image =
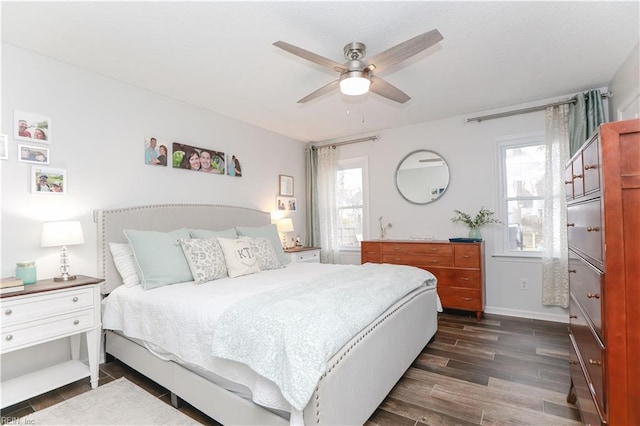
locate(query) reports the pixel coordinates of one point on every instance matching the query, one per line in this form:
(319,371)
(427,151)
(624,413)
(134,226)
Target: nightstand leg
(74,342)
(93,350)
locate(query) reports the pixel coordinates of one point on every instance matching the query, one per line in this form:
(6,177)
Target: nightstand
(46,311)
(303,254)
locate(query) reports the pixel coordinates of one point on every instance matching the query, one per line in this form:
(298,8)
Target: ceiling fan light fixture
(354,83)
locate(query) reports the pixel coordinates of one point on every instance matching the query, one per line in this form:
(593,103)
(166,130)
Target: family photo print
(31,127)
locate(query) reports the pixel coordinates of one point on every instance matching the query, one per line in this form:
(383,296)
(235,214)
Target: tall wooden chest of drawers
(603,223)
(459,267)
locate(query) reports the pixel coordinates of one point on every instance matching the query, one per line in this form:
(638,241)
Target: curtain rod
(365,139)
(525,110)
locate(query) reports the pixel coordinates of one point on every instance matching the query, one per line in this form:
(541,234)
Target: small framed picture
(292,205)
(4,148)
(233,166)
(285,185)
(31,127)
(155,153)
(282,203)
(33,154)
(48,180)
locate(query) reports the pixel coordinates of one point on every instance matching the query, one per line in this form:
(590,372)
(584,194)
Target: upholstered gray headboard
(163,217)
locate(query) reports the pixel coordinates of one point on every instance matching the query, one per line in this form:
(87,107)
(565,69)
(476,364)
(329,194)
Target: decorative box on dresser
(46,311)
(603,223)
(459,267)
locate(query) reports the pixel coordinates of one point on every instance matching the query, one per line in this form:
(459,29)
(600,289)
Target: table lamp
(64,233)
(284,226)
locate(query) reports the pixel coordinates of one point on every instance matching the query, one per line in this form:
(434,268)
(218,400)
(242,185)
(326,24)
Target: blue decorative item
(26,271)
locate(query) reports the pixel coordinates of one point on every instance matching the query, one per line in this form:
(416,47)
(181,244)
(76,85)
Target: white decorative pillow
(125,263)
(267,257)
(239,256)
(205,259)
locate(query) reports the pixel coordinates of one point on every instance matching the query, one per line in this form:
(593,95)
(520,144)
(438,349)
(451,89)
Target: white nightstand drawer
(46,329)
(305,256)
(43,305)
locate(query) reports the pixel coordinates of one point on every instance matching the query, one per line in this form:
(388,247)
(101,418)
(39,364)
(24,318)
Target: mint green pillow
(270,232)
(159,257)
(205,233)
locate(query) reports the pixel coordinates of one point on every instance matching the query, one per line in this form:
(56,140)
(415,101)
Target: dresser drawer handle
(9,337)
(572,271)
(434,261)
(573,362)
(594,362)
(75,299)
(573,317)
(372,252)
(567,182)
(8,312)
(467,299)
(593,295)
(76,322)
(570,224)
(577,176)
(466,256)
(465,278)
(591,167)
(593,229)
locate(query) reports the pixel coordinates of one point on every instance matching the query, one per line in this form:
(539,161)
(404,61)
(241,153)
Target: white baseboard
(564,318)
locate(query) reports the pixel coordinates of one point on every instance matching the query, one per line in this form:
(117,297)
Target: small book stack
(11,285)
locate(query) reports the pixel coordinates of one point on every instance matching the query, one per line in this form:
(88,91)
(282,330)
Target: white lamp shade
(354,86)
(64,233)
(285,225)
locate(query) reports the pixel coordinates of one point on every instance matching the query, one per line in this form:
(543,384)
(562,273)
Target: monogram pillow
(239,256)
(267,257)
(205,258)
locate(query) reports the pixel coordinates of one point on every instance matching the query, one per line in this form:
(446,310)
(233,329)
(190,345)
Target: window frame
(361,162)
(503,144)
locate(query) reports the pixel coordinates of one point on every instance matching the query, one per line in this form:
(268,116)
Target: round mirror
(422,176)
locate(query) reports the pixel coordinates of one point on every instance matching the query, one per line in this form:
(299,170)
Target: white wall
(625,86)
(99,127)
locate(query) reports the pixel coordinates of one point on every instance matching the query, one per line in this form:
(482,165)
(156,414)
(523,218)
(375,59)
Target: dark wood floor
(499,371)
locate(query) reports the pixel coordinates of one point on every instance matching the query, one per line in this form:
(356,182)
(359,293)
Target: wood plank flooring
(499,371)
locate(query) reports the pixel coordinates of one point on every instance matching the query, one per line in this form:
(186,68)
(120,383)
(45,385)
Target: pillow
(205,233)
(205,259)
(159,257)
(271,233)
(263,249)
(125,263)
(239,256)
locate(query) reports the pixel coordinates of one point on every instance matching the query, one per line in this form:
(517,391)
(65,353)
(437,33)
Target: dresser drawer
(591,167)
(43,305)
(460,278)
(588,408)
(43,330)
(310,256)
(592,353)
(457,298)
(433,249)
(370,252)
(584,226)
(577,178)
(466,256)
(586,286)
(420,260)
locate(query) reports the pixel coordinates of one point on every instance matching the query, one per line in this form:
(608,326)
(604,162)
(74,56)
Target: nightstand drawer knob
(8,312)
(9,337)
(75,299)
(76,322)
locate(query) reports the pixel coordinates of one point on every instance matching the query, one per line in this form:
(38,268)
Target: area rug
(117,403)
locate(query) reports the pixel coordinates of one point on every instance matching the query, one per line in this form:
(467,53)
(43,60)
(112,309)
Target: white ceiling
(219,55)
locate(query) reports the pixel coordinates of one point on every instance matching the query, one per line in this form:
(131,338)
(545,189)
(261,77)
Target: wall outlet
(523,284)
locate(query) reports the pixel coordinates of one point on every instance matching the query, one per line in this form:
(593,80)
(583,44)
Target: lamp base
(65,278)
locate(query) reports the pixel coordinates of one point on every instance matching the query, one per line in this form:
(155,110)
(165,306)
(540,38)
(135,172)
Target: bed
(355,379)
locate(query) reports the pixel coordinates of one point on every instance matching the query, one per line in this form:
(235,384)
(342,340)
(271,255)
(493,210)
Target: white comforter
(180,319)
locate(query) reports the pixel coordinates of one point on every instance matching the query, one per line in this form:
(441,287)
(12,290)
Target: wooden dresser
(603,222)
(459,267)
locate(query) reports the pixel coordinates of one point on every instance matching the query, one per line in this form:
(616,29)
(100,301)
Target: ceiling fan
(356,75)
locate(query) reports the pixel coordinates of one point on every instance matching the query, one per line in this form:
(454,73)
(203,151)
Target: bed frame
(356,379)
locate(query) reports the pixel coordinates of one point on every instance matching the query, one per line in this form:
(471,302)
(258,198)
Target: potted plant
(484,217)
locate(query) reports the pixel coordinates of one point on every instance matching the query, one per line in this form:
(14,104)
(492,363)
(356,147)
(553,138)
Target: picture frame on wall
(4,148)
(33,154)
(197,159)
(233,166)
(156,152)
(31,127)
(48,180)
(285,186)
(292,205)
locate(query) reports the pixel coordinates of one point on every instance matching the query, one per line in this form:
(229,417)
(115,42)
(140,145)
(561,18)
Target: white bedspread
(180,319)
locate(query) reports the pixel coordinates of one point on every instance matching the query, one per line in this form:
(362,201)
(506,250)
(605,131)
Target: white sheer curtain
(327,209)
(555,263)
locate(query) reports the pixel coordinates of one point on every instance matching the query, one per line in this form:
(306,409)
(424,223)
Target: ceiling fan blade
(404,50)
(321,91)
(320,60)
(389,91)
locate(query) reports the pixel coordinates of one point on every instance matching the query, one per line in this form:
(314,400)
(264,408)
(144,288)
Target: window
(351,188)
(522,163)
